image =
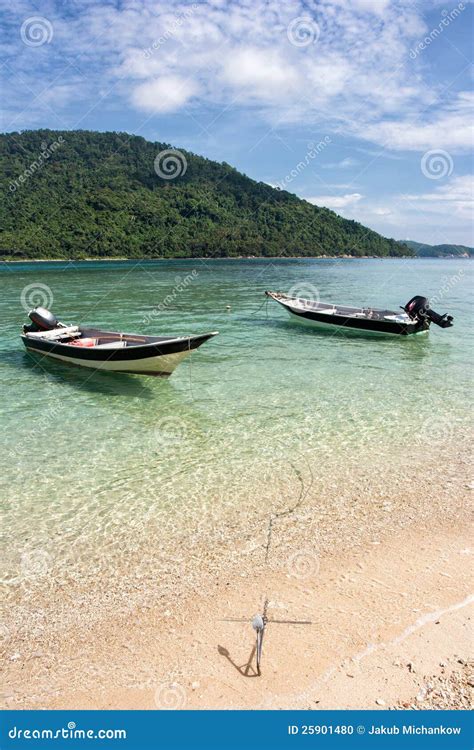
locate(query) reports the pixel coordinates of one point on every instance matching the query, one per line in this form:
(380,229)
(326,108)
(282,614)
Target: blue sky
(364,106)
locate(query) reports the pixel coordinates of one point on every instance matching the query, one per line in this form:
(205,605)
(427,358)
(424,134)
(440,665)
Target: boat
(107,350)
(416,316)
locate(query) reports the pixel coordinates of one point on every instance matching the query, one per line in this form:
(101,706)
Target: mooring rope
(260,621)
(190,370)
(265,302)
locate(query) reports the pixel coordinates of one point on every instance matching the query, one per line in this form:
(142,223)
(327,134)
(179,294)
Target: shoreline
(236,258)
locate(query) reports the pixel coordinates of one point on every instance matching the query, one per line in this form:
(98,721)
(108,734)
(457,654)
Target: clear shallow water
(98,465)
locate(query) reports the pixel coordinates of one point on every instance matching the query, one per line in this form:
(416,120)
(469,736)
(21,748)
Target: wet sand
(383,575)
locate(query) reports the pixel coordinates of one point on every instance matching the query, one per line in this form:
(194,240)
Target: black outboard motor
(41,320)
(419,308)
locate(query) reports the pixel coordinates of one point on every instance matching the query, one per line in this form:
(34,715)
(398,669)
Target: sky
(363,106)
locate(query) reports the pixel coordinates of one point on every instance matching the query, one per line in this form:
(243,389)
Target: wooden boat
(416,317)
(107,350)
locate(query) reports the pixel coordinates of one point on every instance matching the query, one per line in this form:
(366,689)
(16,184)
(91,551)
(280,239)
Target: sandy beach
(387,590)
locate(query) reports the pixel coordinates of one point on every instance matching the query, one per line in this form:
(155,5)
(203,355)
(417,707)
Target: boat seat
(56,334)
(112,345)
(399,317)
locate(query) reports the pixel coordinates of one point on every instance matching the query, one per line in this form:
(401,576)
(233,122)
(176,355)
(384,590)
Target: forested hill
(81,194)
(440,251)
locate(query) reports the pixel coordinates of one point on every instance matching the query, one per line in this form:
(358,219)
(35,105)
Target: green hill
(439,251)
(81,194)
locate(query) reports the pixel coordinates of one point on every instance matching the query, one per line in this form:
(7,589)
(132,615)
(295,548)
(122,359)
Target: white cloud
(382,211)
(450,126)
(378,153)
(455,197)
(335,201)
(346,163)
(259,74)
(374,6)
(166,94)
(58,96)
(327,75)
(340,185)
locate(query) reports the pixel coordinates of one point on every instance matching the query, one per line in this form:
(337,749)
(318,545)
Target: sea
(106,472)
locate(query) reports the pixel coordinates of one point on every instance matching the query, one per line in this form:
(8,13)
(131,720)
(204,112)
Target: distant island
(439,251)
(81,194)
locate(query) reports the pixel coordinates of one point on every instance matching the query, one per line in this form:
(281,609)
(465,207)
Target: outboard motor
(419,308)
(41,320)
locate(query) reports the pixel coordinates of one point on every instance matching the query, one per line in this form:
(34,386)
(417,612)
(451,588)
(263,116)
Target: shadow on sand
(246,670)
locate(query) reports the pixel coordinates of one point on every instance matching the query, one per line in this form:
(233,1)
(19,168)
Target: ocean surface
(98,466)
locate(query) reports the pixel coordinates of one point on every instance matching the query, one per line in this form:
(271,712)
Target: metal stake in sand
(258,624)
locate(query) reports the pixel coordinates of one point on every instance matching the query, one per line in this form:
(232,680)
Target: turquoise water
(97,465)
